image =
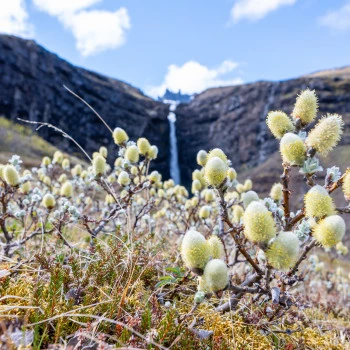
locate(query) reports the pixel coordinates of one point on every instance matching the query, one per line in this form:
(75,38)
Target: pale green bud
(132,154)
(276,192)
(217,250)
(283,252)
(196,186)
(11,175)
(46,161)
(49,201)
(67,189)
(103,151)
(202,157)
(306,106)
(249,197)
(318,203)
(215,171)
(204,212)
(58,157)
(231,174)
(99,165)
(120,136)
(279,123)
(66,164)
(293,149)
(153,152)
(216,275)
(326,134)
(143,145)
(123,179)
(259,225)
(329,231)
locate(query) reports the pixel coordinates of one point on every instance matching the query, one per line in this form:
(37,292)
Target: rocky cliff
(31,87)
(234,118)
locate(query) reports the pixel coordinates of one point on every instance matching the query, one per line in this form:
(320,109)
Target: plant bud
(195,201)
(329,231)
(46,161)
(259,225)
(67,189)
(283,252)
(292,149)
(209,196)
(47,181)
(238,212)
(326,134)
(62,178)
(341,248)
(103,151)
(346,185)
(197,175)
(11,175)
(143,145)
(204,212)
(195,250)
(65,164)
(249,197)
(26,187)
(215,171)
(58,157)
(306,107)
(196,186)
(153,152)
(202,157)
(99,165)
(118,162)
(123,179)
(76,171)
(318,203)
(2,168)
(279,123)
(120,136)
(155,176)
(276,192)
(132,154)
(109,199)
(217,153)
(240,188)
(248,185)
(216,247)
(231,174)
(216,275)
(49,201)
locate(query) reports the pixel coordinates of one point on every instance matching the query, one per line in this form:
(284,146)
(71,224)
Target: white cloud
(96,31)
(192,77)
(93,30)
(14,18)
(62,7)
(338,19)
(256,9)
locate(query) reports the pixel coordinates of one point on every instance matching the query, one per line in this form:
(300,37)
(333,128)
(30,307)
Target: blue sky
(188,44)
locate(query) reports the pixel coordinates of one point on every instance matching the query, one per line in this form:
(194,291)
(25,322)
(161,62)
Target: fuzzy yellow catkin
(123,179)
(197,175)
(66,189)
(293,149)
(276,192)
(103,151)
(259,225)
(11,175)
(238,212)
(306,106)
(62,178)
(132,154)
(326,134)
(155,176)
(216,247)
(341,248)
(240,188)
(109,199)
(2,167)
(209,196)
(120,136)
(26,187)
(329,231)
(204,212)
(217,152)
(318,203)
(153,152)
(49,201)
(58,157)
(346,185)
(231,174)
(215,171)
(99,165)
(248,185)
(202,157)
(196,186)
(143,145)
(249,197)
(46,161)
(65,164)
(279,123)
(47,181)
(76,171)
(283,252)
(216,275)
(195,250)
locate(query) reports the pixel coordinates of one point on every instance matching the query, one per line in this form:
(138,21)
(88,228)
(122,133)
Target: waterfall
(174,161)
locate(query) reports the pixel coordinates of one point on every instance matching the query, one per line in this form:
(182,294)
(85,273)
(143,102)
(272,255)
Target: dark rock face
(234,118)
(31,87)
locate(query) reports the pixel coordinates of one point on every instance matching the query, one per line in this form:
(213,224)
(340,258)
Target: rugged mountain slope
(31,87)
(233,118)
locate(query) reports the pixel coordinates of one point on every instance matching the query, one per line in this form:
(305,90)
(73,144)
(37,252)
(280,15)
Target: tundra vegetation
(107,256)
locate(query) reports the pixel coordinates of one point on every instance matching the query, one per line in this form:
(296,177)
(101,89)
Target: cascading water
(174,161)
